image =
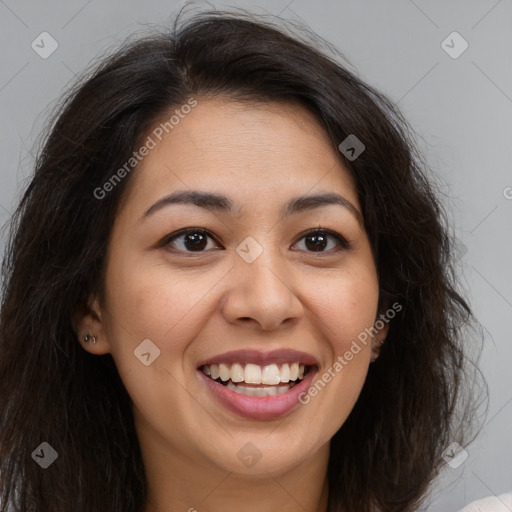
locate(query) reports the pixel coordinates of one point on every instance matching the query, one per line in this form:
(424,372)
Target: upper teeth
(270,374)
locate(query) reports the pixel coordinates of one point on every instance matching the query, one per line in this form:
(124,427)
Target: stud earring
(88,338)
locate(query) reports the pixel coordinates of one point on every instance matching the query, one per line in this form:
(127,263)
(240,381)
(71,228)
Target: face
(257,284)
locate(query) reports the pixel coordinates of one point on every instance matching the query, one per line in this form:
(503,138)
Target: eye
(317,239)
(189,240)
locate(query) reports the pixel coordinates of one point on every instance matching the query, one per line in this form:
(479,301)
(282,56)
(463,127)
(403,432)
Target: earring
(88,338)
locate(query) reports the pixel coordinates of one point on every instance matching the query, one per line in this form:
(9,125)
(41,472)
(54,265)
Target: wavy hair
(418,396)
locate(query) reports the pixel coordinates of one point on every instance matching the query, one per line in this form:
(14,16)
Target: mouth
(258,385)
(257,380)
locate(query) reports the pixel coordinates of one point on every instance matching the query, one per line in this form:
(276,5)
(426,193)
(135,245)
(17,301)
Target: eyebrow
(220,203)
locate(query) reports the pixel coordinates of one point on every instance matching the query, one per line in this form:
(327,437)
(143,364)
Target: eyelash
(342,242)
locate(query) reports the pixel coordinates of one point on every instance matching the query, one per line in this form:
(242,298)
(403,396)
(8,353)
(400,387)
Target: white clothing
(501,503)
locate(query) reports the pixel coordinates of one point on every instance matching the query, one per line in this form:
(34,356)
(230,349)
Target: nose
(261,293)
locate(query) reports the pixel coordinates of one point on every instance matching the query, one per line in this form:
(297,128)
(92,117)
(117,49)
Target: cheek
(344,308)
(345,305)
(168,309)
(151,302)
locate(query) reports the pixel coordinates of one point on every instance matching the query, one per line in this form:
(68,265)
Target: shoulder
(501,503)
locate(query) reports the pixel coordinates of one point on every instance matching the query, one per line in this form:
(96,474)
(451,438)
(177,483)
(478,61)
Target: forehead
(247,150)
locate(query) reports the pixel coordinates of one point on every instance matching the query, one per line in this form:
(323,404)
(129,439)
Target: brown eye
(189,240)
(195,240)
(317,240)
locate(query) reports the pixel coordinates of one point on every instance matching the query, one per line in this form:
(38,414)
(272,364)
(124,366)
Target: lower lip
(259,407)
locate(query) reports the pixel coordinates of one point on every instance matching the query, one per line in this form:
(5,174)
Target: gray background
(460,107)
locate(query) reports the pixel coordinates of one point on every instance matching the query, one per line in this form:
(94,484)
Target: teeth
(285,373)
(270,375)
(294,371)
(224,372)
(252,374)
(214,371)
(263,391)
(237,373)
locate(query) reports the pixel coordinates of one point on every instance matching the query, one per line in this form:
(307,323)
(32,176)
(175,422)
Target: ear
(378,339)
(88,320)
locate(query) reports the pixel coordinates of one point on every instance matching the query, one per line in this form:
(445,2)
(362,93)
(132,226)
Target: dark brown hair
(417,397)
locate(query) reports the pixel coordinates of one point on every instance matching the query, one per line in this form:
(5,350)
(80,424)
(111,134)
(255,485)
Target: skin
(192,308)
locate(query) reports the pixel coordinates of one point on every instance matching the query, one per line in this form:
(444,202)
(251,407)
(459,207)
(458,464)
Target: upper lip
(255,356)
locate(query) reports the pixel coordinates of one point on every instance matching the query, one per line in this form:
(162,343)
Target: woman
(229,285)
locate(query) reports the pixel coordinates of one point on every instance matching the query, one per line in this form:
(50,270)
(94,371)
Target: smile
(258,385)
(257,380)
